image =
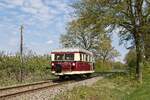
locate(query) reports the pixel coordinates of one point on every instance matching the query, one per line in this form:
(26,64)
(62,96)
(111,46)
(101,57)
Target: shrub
(33,69)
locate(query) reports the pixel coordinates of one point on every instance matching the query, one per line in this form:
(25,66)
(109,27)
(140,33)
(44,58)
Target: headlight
(73,64)
(52,64)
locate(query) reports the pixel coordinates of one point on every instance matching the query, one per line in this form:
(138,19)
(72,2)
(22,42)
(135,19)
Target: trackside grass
(143,91)
(110,88)
(114,87)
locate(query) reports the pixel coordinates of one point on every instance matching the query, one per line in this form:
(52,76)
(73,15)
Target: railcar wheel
(88,75)
(61,77)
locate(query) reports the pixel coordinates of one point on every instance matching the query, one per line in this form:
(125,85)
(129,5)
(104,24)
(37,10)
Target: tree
(105,50)
(147,46)
(131,17)
(78,36)
(119,65)
(99,42)
(130,60)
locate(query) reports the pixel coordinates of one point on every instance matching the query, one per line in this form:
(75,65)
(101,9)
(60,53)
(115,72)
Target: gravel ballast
(50,93)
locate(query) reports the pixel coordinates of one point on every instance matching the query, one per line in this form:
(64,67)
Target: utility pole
(21,53)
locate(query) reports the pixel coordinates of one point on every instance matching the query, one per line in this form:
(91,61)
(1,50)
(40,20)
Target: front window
(69,56)
(64,57)
(59,56)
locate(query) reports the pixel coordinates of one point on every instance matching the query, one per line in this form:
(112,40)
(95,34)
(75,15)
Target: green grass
(30,79)
(115,87)
(143,91)
(111,88)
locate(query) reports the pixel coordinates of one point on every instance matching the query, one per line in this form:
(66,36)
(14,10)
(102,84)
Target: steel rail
(3,97)
(8,95)
(23,85)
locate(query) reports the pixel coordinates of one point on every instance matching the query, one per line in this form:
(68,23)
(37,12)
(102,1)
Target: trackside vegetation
(114,87)
(34,68)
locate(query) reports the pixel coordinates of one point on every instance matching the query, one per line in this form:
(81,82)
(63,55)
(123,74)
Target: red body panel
(82,66)
(68,66)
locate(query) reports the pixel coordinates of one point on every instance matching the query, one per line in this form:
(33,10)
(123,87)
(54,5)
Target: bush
(33,69)
(101,66)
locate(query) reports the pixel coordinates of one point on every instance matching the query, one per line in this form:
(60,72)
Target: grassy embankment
(115,87)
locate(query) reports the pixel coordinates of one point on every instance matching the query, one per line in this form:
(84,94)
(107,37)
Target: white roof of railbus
(72,50)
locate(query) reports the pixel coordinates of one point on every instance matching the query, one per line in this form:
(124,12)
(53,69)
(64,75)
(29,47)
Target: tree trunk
(139,65)
(147,46)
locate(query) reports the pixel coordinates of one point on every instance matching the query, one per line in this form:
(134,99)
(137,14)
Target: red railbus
(72,61)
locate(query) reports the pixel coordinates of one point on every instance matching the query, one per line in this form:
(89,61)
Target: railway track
(12,91)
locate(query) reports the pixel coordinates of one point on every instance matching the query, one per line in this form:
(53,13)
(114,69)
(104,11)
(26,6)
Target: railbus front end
(72,61)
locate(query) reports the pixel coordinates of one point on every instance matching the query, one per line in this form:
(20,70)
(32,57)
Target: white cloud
(15,2)
(38,9)
(44,11)
(34,7)
(49,42)
(39,17)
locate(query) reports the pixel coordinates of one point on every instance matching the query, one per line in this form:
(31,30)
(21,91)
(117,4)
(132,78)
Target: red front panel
(66,66)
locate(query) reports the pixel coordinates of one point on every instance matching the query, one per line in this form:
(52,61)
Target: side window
(93,59)
(83,57)
(80,57)
(86,58)
(90,59)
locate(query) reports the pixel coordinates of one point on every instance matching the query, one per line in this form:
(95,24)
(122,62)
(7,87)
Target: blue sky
(43,20)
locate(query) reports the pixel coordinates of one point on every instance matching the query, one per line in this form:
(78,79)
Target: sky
(43,20)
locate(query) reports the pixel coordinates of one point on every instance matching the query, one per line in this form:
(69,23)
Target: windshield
(59,56)
(64,56)
(69,56)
